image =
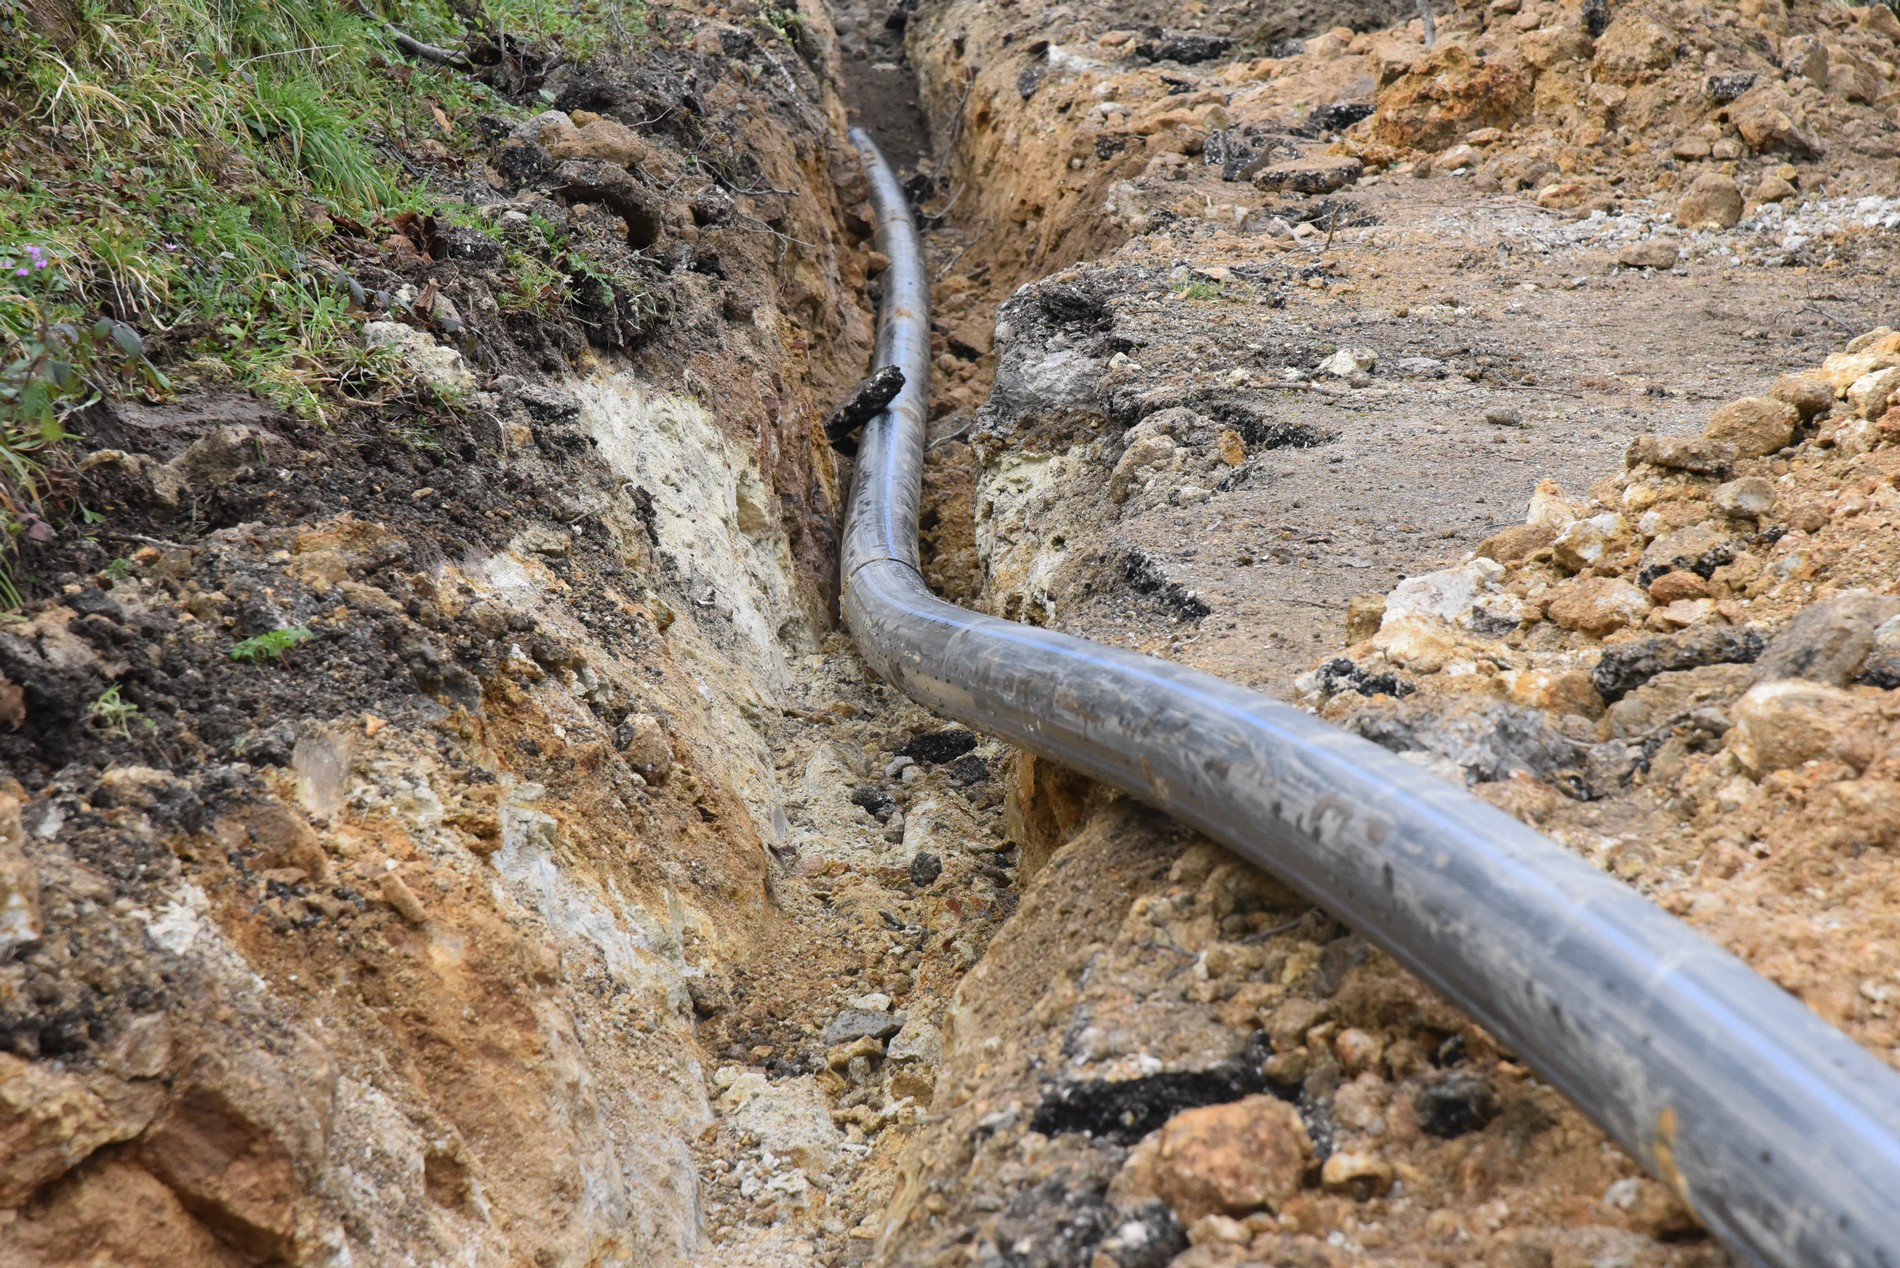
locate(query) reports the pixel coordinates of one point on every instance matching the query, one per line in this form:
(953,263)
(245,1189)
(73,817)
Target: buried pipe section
(1780,1132)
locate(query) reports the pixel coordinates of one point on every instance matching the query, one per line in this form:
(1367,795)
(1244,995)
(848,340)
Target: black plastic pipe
(1778,1131)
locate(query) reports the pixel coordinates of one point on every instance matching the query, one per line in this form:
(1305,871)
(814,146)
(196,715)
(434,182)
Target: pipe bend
(1780,1132)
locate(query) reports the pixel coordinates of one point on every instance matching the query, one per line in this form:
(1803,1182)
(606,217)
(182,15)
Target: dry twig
(412,46)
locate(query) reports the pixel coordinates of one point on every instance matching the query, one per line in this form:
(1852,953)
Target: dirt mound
(1276,331)
(1704,648)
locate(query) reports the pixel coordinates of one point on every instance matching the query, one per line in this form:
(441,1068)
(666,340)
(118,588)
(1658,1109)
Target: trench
(1720,1183)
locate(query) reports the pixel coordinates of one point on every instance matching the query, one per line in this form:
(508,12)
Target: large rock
(1469,739)
(1811,394)
(919,1041)
(1772,188)
(1750,497)
(1516,543)
(1233,1159)
(1585,543)
(1466,596)
(1598,605)
(1551,45)
(441,368)
(1446,94)
(1879,19)
(1699,549)
(1829,641)
(857,1023)
(1842,370)
(1320,174)
(1650,253)
(1633,47)
(1697,455)
(643,741)
(1713,201)
(244,1134)
(1779,725)
(1871,394)
(1755,425)
(51,1120)
(600,138)
(1770,122)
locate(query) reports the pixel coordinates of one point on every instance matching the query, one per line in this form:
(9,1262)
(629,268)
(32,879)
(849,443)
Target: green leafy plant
(114,714)
(50,369)
(271,645)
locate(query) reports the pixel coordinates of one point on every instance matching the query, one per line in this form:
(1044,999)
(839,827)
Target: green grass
(180,164)
(177,164)
(1198,289)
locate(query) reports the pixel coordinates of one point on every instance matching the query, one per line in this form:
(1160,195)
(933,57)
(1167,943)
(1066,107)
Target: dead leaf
(442,121)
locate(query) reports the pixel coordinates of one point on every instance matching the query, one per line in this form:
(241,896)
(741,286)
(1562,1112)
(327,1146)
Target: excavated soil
(1275,337)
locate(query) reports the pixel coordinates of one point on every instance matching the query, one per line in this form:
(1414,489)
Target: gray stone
(1031,376)
(1350,361)
(441,368)
(857,1023)
(1828,641)
(1882,666)
(1319,175)
(1483,740)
